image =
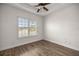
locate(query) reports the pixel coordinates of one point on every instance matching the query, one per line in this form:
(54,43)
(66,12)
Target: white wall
(0,22)
(8,27)
(62,27)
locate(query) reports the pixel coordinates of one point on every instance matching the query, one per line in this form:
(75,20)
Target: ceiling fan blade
(42,4)
(45,8)
(38,10)
(46,3)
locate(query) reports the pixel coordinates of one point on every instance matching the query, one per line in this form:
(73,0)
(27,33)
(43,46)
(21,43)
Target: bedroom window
(32,28)
(26,27)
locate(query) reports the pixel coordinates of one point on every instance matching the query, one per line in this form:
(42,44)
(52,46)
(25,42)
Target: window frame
(27,27)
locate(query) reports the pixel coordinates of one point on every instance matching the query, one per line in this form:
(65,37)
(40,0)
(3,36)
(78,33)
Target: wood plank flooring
(40,48)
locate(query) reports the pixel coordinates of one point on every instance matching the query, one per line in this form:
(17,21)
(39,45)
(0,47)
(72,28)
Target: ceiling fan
(42,6)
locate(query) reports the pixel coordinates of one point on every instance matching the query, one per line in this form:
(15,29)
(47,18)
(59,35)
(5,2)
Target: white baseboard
(62,44)
(8,47)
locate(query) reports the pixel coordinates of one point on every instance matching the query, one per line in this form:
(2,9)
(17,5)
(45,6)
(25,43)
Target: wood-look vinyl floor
(40,48)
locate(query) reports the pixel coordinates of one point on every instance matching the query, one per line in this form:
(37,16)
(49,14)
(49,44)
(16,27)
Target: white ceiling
(30,7)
